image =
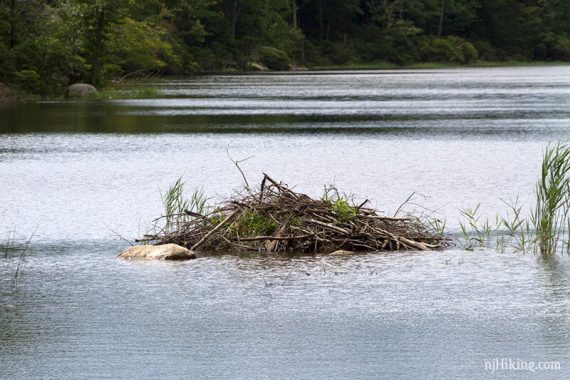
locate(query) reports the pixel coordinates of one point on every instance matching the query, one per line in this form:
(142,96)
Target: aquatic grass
(437,225)
(517,227)
(547,228)
(13,254)
(550,215)
(178,209)
(566,237)
(476,233)
(425,217)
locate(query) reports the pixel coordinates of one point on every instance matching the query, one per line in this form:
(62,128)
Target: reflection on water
(531,102)
(79,173)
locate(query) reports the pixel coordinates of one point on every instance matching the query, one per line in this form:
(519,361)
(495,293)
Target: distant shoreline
(437,65)
(129,90)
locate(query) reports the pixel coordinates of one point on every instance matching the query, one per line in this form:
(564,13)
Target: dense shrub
(43,65)
(274,58)
(555,48)
(448,49)
(402,51)
(487,52)
(311,55)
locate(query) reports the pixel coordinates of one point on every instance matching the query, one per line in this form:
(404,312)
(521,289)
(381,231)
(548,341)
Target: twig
(403,204)
(236,163)
(217,228)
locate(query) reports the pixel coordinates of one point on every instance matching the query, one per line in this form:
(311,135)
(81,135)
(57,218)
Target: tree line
(47,44)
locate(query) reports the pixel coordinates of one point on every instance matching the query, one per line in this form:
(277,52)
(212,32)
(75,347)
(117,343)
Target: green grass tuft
(178,209)
(127,92)
(253,223)
(340,204)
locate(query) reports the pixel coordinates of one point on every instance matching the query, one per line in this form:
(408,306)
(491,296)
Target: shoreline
(438,65)
(130,89)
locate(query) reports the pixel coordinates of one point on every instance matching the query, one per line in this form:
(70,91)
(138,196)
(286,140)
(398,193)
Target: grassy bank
(129,91)
(111,92)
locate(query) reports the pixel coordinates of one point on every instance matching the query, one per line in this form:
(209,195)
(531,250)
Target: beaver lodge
(275,218)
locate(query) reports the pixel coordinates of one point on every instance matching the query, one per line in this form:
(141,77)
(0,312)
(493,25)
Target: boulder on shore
(297,68)
(255,66)
(157,252)
(80,90)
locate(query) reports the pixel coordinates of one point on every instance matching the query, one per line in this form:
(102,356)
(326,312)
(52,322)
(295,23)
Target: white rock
(254,66)
(158,252)
(342,253)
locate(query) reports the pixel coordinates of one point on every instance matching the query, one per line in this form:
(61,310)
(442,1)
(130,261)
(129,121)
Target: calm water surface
(76,175)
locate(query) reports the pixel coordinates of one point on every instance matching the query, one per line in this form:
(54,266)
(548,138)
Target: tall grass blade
(550,215)
(178,209)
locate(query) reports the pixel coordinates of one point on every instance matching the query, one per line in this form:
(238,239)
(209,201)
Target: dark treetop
(48,44)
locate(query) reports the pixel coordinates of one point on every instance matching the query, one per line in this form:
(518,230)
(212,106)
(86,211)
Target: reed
(550,215)
(13,253)
(516,226)
(178,209)
(568,237)
(546,229)
(475,232)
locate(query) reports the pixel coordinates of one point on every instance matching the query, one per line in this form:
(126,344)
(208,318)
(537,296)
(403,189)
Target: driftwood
(277,219)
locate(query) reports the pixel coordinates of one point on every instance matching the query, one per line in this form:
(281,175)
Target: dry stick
(385,218)
(262,189)
(218,227)
(413,244)
(238,245)
(283,238)
(395,238)
(236,163)
(330,226)
(272,244)
(403,204)
(194,214)
(408,242)
(282,188)
(362,205)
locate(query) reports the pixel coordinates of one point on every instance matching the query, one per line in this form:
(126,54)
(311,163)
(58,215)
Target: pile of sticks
(277,219)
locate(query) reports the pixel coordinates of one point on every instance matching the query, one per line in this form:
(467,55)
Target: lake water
(78,175)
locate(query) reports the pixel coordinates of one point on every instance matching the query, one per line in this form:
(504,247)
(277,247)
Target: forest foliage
(47,44)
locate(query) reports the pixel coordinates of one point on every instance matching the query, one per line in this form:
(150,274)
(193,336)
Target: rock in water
(158,252)
(342,253)
(80,90)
